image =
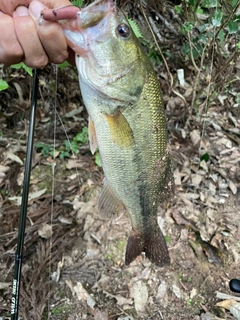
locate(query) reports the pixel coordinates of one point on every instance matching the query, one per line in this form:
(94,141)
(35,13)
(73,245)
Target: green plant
(178,9)
(60,310)
(189,302)
(97,159)
(22,65)
(3,85)
(187,27)
(80,139)
(213,19)
(4,193)
(135,28)
(238,98)
(167,239)
(77,3)
(154,55)
(44,148)
(208,27)
(64,65)
(205,157)
(67,148)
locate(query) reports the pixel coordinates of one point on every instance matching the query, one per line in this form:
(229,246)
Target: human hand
(23,39)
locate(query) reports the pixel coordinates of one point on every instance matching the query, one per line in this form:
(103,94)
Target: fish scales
(127,123)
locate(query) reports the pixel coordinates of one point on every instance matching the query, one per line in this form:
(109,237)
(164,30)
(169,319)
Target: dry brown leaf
(210,316)
(232,186)
(4,285)
(32,195)
(4,169)
(125,317)
(177,177)
(176,290)
(195,137)
(82,294)
(100,315)
(139,293)
(235,310)
(14,157)
(76,163)
(162,290)
(45,231)
(221,295)
(226,304)
(196,179)
(203,165)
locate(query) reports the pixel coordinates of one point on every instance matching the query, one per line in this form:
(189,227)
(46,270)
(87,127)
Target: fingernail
(22,11)
(35,9)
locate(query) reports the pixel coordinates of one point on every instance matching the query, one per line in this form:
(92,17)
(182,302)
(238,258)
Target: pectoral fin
(108,203)
(120,130)
(92,136)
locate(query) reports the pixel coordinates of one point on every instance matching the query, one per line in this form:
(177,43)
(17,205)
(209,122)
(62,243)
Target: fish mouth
(94,13)
(88,17)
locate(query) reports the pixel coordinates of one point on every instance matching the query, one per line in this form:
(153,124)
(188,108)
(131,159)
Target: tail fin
(153,244)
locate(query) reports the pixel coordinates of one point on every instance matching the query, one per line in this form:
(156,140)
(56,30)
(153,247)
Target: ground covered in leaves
(74,261)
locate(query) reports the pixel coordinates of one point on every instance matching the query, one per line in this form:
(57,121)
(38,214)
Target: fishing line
(53,187)
(208,90)
(57,117)
(24,204)
(234,284)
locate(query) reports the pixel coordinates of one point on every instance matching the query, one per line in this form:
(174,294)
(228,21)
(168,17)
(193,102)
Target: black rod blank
(24,204)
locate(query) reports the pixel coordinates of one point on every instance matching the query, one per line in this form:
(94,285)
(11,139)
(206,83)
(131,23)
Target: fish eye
(123,30)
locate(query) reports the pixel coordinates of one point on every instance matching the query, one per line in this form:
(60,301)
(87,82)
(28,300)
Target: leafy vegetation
(209,23)
(135,28)
(77,3)
(210,44)
(68,147)
(3,85)
(80,139)
(97,159)
(22,65)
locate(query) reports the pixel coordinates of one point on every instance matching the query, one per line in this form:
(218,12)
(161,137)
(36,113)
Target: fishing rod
(24,204)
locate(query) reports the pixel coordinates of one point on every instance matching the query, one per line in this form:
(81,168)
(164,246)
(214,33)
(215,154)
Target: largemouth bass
(126,122)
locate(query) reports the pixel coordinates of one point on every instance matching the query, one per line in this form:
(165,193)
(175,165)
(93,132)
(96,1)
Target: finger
(9,6)
(26,32)
(50,34)
(56,4)
(10,50)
